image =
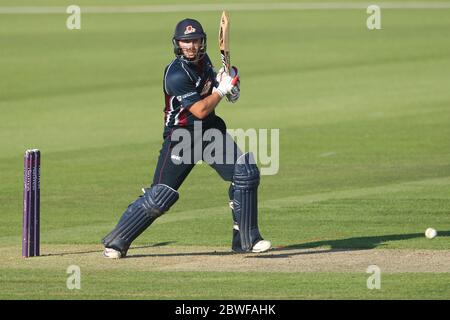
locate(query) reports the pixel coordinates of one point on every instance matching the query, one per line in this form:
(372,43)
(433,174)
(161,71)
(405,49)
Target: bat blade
(224,41)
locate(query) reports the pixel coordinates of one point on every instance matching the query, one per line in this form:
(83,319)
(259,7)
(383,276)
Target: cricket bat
(224,45)
(224,41)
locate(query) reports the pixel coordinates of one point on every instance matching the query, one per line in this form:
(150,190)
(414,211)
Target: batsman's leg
(156,200)
(245,204)
(139,216)
(229,153)
(244,177)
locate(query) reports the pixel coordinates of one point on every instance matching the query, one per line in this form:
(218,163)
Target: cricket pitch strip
(221,259)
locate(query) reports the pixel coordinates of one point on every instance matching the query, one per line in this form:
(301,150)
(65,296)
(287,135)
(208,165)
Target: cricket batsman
(192,91)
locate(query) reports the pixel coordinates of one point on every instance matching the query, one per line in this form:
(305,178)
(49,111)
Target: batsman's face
(190,48)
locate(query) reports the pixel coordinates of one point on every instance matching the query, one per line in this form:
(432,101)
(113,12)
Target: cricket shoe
(261,246)
(112,253)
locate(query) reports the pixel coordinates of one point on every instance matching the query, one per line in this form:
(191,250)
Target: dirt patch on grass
(218,259)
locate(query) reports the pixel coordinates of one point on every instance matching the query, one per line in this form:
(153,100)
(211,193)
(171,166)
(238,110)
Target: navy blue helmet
(189,29)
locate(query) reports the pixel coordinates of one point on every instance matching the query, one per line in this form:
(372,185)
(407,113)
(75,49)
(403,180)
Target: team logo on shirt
(189,29)
(187,95)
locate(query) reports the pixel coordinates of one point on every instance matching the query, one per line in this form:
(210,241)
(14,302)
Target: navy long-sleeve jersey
(184,85)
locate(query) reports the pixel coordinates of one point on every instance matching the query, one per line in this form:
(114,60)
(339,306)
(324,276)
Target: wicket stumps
(31,203)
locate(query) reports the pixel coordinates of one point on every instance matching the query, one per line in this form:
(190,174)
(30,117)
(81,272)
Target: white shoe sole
(261,246)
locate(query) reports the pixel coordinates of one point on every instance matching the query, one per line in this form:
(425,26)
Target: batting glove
(233,97)
(235,93)
(226,83)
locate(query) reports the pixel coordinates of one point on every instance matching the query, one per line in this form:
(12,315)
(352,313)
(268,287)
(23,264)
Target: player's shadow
(130,254)
(182,254)
(348,244)
(60,254)
(159,244)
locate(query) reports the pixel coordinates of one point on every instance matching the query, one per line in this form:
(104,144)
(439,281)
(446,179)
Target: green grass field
(364,120)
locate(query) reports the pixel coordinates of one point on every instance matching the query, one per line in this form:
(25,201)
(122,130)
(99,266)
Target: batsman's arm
(202,108)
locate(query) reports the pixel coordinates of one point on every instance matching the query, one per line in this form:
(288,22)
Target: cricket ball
(430,233)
